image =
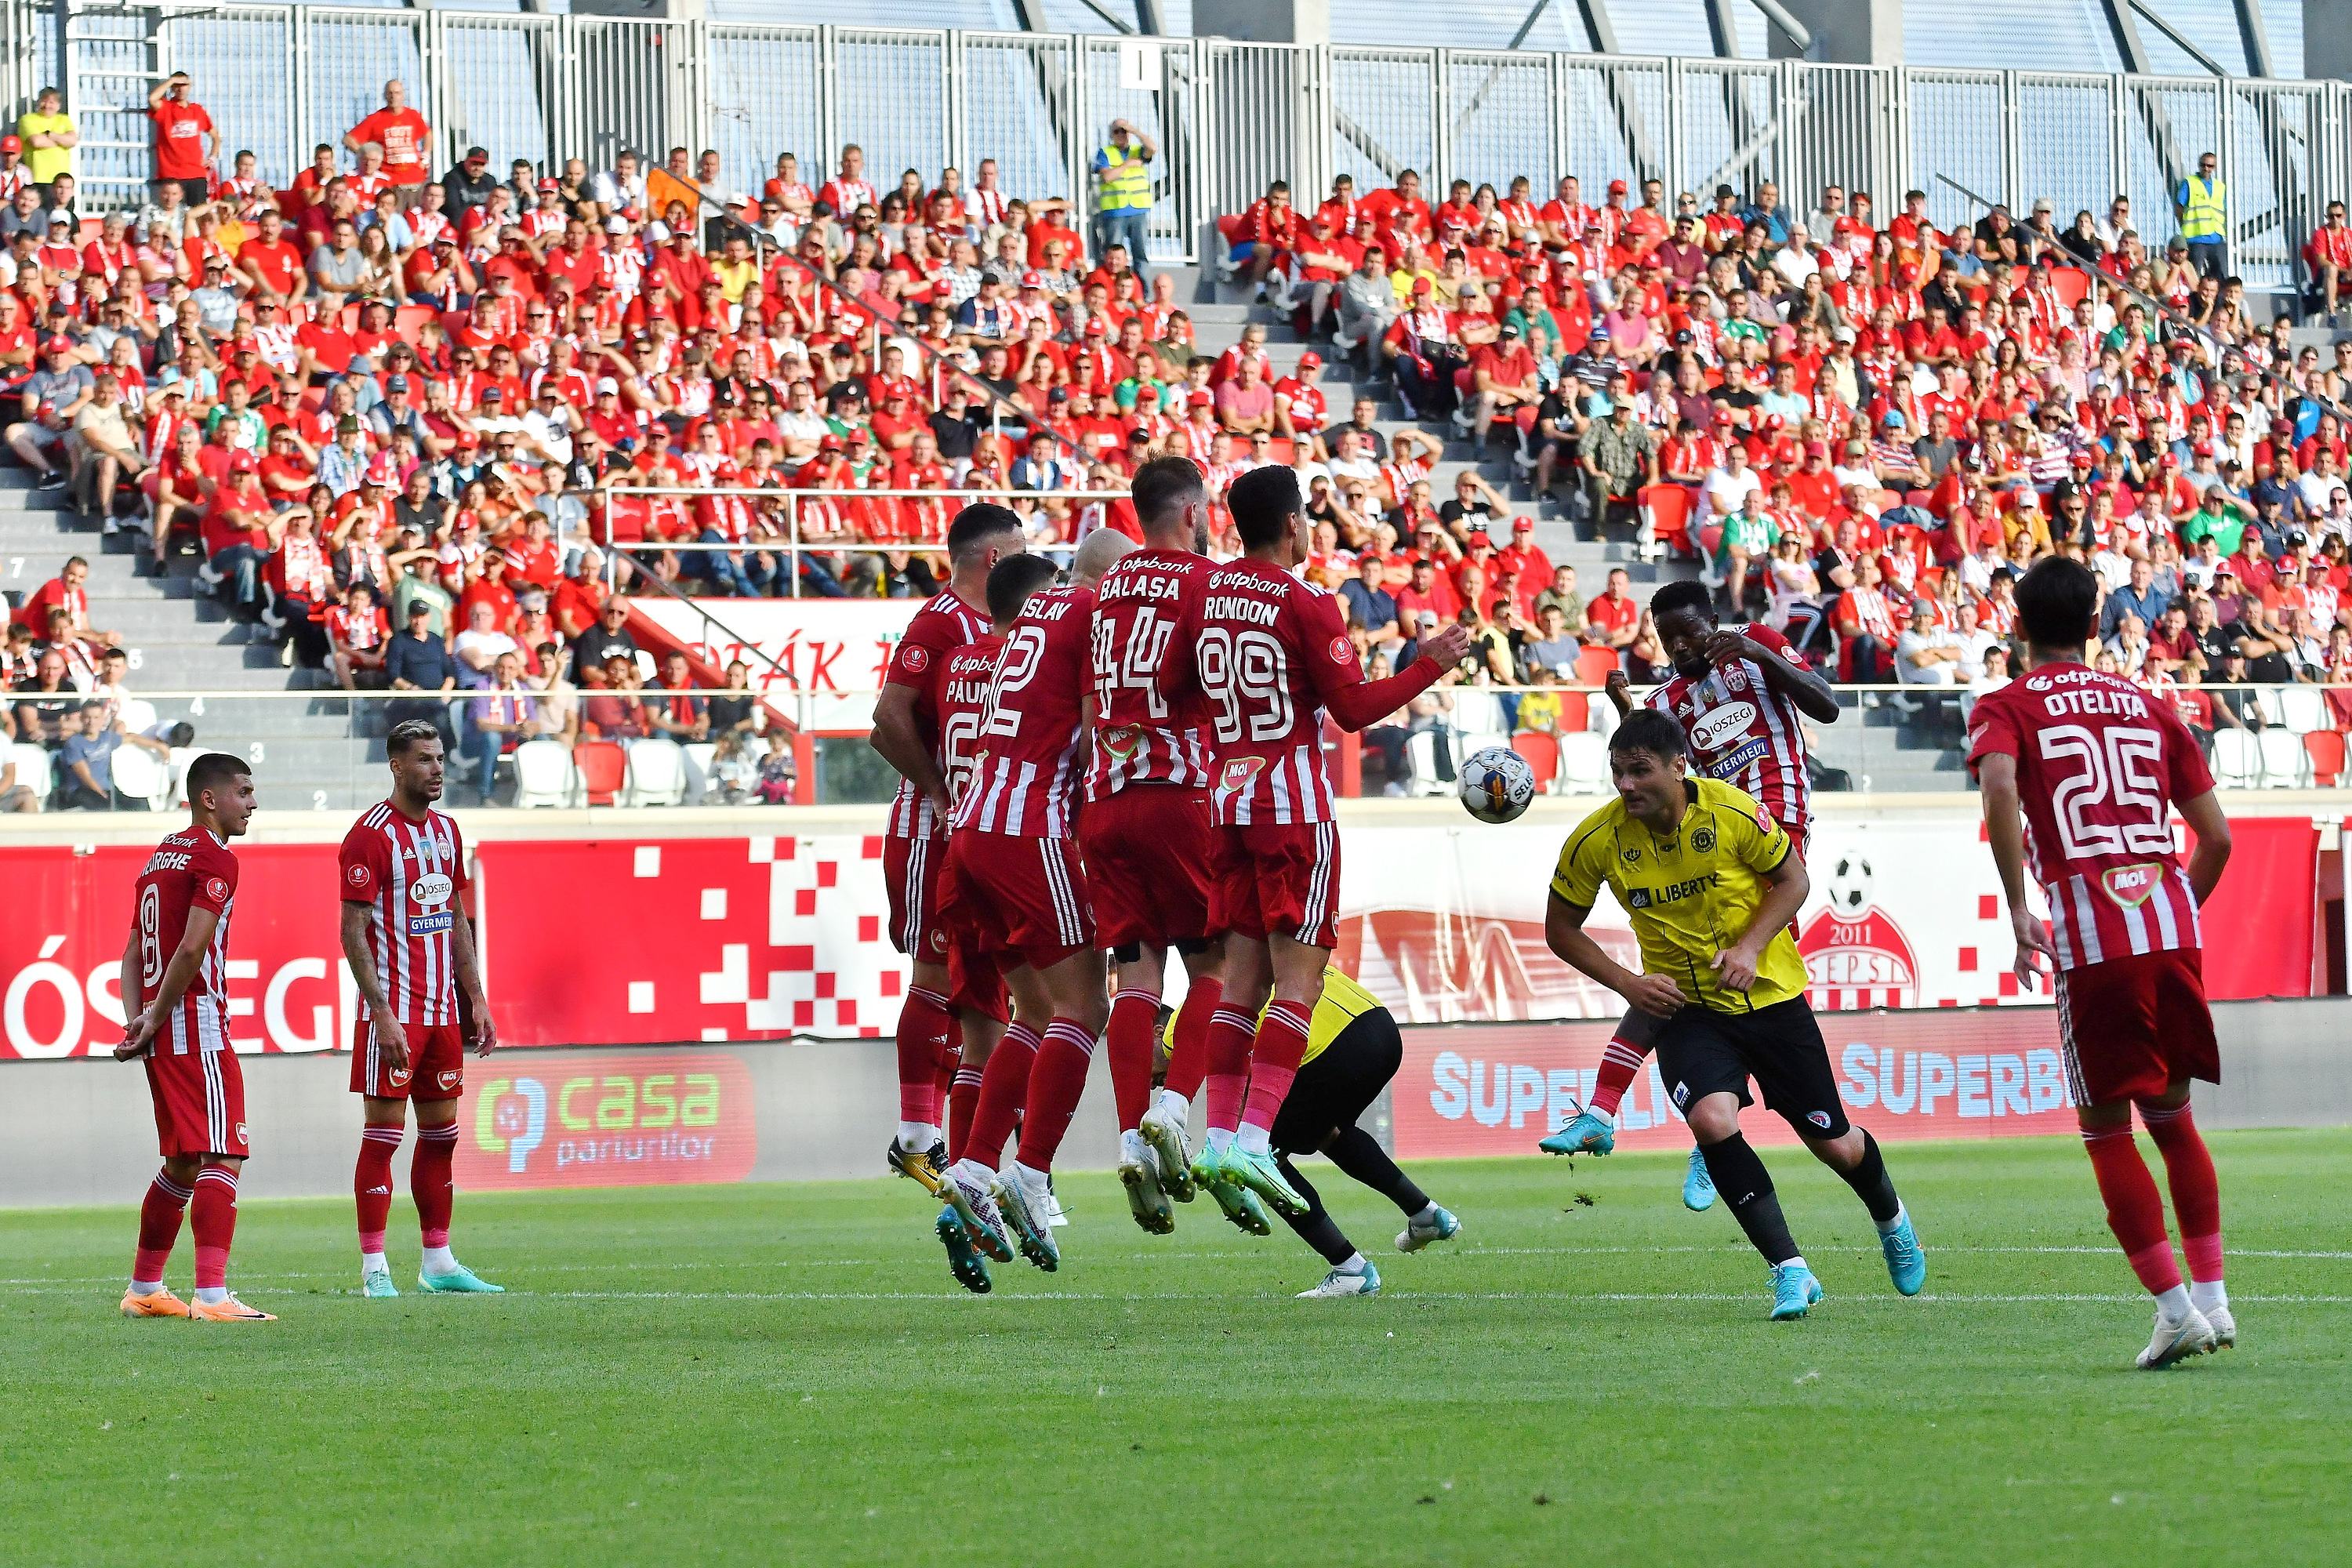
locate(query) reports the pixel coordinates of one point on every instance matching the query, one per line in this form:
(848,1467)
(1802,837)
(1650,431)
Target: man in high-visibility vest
(1122,169)
(2201,203)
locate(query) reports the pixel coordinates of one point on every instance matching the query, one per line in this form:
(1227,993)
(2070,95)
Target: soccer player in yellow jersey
(1352,1052)
(1711,882)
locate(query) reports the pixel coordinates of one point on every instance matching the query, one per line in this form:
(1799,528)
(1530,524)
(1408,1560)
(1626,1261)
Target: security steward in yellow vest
(1122,170)
(2202,202)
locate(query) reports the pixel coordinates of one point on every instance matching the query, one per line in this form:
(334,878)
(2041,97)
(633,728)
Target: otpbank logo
(652,1119)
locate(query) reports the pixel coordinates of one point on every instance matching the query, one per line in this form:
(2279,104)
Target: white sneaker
(2176,1340)
(2224,1326)
(1165,1132)
(1139,1172)
(1337,1284)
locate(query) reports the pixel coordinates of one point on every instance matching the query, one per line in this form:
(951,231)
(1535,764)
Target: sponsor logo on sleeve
(216,890)
(357,875)
(915,659)
(1342,653)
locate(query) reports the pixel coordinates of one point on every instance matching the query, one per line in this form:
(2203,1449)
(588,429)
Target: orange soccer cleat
(231,1311)
(162,1304)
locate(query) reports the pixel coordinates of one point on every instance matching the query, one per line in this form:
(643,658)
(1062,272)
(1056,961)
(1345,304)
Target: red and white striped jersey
(411,873)
(965,681)
(1029,754)
(1141,735)
(1744,734)
(944,624)
(1268,651)
(191,870)
(2099,767)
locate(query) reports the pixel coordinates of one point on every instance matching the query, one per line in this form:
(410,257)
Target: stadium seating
(543,774)
(2237,760)
(1584,764)
(604,768)
(2285,763)
(655,774)
(2323,749)
(1542,754)
(140,774)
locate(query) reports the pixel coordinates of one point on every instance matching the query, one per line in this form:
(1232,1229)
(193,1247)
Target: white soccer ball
(1849,888)
(1496,783)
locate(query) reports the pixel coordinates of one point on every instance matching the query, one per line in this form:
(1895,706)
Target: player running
(175,992)
(1016,892)
(411,952)
(1741,698)
(1271,654)
(907,735)
(1692,859)
(2094,767)
(1146,831)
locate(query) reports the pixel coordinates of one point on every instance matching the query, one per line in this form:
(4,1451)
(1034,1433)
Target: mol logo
(619,1121)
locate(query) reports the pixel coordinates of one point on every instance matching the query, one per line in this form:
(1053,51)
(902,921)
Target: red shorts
(975,983)
(910,867)
(199,1103)
(1282,878)
(2131,1027)
(1148,851)
(1020,901)
(436,1070)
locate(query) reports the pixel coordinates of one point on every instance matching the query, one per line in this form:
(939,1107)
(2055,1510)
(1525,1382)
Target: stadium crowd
(383,404)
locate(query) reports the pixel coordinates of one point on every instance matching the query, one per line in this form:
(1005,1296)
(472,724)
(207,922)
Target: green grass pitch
(786,1374)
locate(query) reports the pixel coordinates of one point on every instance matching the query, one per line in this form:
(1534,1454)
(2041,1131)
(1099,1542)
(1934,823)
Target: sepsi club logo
(633,1120)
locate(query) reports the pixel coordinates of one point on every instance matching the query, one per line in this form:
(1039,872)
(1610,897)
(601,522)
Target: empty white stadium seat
(2237,760)
(698,756)
(1583,763)
(656,774)
(543,775)
(2285,765)
(1421,751)
(140,774)
(2301,708)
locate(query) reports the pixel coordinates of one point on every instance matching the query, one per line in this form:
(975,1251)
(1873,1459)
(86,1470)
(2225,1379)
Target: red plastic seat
(603,765)
(1542,752)
(1575,713)
(1669,507)
(2326,748)
(2070,283)
(1595,664)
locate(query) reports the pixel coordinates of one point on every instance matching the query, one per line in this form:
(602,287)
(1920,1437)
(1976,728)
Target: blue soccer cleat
(1339,1283)
(1794,1289)
(378,1288)
(1584,1133)
(1441,1226)
(1698,1185)
(1261,1174)
(458,1282)
(1905,1264)
(964,1261)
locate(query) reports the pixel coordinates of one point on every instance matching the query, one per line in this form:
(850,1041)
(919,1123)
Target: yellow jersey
(1690,895)
(1343,1003)
(45,163)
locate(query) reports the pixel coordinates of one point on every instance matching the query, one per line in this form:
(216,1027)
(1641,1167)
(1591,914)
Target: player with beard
(1741,697)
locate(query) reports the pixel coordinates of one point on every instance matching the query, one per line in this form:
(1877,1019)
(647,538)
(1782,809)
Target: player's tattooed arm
(469,978)
(1798,683)
(390,1038)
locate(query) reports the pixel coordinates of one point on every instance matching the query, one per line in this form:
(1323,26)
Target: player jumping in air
(2094,767)
(1741,698)
(411,953)
(175,992)
(1692,860)
(1271,654)
(907,735)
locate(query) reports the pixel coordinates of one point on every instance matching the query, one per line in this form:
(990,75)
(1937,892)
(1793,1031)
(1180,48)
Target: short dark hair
(980,522)
(1686,593)
(406,734)
(1162,485)
(1262,502)
(1012,579)
(2056,600)
(214,770)
(1648,730)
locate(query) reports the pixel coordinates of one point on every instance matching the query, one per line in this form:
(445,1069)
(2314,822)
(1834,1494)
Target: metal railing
(1229,117)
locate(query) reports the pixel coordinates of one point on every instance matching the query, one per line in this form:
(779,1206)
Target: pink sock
(1274,1061)
(1231,1032)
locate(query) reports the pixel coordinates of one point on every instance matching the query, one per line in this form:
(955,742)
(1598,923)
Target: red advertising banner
(1496,1089)
(604,1121)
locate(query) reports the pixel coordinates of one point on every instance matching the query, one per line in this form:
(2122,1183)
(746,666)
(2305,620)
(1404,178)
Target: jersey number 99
(1244,674)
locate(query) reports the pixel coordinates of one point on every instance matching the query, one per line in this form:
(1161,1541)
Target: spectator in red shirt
(1504,374)
(1613,619)
(186,145)
(2329,257)
(402,137)
(274,263)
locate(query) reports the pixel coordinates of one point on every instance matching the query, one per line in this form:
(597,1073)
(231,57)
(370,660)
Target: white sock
(916,1137)
(440,1260)
(1252,1140)
(1173,1107)
(145,1287)
(974,1173)
(2172,1305)
(212,1295)
(1886,1228)
(373,1263)
(1032,1181)
(1219,1140)
(1796,1262)
(1428,1215)
(1355,1264)
(2203,1294)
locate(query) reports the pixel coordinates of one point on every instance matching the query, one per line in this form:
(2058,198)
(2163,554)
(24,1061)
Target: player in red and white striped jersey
(1741,698)
(175,993)
(411,951)
(906,734)
(2093,767)
(1271,654)
(1148,831)
(1016,890)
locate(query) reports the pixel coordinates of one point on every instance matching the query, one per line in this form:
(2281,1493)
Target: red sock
(2195,1195)
(943,1076)
(212,1217)
(159,1227)
(1618,1062)
(1231,1034)
(1134,1019)
(2135,1213)
(1188,1053)
(923,1026)
(1274,1061)
(372,1183)
(429,1181)
(1057,1080)
(963,1097)
(1003,1085)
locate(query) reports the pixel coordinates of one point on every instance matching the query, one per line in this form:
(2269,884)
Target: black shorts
(1332,1092)
(1702,1052)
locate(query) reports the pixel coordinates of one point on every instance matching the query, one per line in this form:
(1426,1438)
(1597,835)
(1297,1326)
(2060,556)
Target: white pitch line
(1749,1296)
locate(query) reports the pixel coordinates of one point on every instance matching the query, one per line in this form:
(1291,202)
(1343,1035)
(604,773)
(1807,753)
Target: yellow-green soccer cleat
(1240,1204)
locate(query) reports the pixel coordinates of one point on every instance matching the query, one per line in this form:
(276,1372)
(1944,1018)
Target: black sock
(1743,1182)
(1315,1227)
(1872,1185)
(1359,1154)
